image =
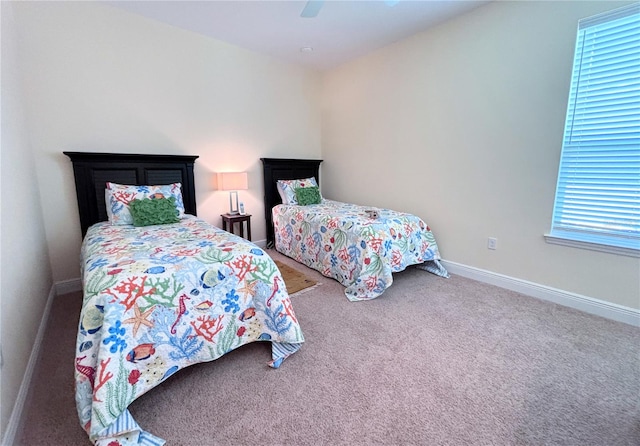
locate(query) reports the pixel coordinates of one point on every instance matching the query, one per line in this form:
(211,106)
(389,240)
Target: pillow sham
(283,196)
(308,195)
(289,187)
(154,211)
(119,196)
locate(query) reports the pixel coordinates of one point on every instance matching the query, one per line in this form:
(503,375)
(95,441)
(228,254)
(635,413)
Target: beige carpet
(432,361)
(295,280)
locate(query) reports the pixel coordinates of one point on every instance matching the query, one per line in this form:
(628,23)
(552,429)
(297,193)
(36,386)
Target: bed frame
(93,170)
(283,169)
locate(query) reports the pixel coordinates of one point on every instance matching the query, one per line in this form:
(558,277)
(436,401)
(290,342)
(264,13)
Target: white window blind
(598,191)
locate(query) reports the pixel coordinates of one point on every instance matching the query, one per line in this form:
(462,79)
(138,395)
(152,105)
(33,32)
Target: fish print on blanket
(341,241)
(160,298)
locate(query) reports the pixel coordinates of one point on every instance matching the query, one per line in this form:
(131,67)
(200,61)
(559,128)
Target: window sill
(631,252)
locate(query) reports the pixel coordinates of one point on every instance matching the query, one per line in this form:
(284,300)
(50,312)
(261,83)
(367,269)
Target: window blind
(598,189)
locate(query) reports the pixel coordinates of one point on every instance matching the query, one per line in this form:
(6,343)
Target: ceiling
(341,31)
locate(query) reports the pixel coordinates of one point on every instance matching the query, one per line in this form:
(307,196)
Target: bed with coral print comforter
(340,241)
(160,298)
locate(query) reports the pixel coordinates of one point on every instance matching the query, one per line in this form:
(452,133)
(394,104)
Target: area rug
(295,281)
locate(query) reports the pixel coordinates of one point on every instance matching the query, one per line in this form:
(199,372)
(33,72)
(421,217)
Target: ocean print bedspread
(340,241)
(160,298)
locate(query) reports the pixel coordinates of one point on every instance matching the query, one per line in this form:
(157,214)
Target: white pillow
(118,196)
(283,196)
(287,188)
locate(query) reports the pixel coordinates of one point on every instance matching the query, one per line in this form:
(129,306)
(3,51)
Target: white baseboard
(16,420)
(590,305)
(68,286)
(261,243)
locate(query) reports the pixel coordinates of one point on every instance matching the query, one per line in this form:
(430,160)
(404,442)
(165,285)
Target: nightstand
(229,220)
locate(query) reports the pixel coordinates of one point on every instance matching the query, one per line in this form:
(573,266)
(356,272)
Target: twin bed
(159,298)
(360,247)
(162,297)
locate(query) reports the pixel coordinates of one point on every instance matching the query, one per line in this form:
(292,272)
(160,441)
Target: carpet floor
(432,361)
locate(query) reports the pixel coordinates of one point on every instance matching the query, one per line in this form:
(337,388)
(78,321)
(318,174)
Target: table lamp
(232,182)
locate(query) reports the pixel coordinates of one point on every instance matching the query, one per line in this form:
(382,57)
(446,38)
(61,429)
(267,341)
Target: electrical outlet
(492,243)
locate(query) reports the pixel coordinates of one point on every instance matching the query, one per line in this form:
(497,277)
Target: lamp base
(233,200)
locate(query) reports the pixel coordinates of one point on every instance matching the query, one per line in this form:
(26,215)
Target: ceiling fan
(313,7)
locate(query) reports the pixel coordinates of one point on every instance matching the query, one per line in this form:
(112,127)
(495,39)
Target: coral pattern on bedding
(160,298)
(340,241)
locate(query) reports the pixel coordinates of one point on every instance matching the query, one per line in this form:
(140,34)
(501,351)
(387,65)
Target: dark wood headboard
(283,169)
(93,170)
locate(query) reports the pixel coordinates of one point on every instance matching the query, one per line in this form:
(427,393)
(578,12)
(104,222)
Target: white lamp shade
(231,181)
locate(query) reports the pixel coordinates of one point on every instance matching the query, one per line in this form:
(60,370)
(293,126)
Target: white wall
(100,79)
(462,125)
(25,273)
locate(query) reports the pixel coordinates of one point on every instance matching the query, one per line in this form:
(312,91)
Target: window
(597,203)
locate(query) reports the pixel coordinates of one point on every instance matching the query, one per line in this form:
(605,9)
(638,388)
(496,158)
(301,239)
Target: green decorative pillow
(308,195)
(154,211)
